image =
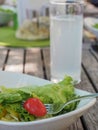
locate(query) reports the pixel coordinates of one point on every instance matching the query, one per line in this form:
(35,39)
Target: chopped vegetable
(35,107)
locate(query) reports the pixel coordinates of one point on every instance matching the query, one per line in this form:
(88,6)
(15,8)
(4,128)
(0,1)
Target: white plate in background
(89,22)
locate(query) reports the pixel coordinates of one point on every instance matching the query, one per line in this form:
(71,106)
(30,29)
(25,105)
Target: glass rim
(64,2)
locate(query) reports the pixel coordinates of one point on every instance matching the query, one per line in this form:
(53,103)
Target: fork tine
(48,107)
(56,108)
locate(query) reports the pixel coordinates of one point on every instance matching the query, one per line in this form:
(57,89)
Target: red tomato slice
(35,107)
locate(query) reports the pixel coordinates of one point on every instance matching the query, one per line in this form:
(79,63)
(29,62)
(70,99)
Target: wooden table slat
(91,66)
(3,56)
(46,55)
(33,62)
(95,52)
(15,60)
(90,115)
(76,126)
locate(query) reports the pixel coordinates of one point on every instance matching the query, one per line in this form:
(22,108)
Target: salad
(27,103)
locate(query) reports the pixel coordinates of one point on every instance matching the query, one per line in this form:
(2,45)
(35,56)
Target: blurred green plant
(6,10)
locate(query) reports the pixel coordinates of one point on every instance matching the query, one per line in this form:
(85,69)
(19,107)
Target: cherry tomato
(35,107)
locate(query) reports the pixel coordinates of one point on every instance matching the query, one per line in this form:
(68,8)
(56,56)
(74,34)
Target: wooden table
(36,62)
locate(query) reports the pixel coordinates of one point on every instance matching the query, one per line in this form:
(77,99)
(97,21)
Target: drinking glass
(66,29)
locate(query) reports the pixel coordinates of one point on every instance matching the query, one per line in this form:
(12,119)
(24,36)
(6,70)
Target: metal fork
(56,108)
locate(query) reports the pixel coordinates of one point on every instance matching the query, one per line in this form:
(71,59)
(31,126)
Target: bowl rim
(85,107)
(50,119)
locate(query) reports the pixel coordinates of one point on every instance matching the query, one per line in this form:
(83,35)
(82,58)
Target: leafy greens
(11,99)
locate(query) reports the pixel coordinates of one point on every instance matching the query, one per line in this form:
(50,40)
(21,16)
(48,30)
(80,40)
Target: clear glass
(66,30)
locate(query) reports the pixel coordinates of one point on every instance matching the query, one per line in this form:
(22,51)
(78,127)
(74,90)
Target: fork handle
(89,96)
(82,97)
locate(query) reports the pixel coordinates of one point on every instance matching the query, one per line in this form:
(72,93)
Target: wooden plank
(91,66)
(33,62)
(15,60)
(76,126)
(79,125)
(94,51)
(90,117)
(46,55)
(3,56)
(85,83)
(86,46)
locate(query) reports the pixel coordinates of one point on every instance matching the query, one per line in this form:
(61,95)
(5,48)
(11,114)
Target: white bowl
(10,79)
(89,22)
